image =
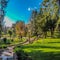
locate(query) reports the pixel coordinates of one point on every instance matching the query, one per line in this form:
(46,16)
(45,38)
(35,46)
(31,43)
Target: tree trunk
(21,37)
(52,32)
(45,34)
(29,38)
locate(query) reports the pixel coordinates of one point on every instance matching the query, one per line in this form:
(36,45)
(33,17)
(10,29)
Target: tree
(33,22)
(3,5)
(20,29)
(42,19)
(10,33)
(51,17)
(54,16)
(46,19)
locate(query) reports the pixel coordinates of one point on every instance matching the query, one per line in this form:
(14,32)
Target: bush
(21,55)
(5,40)
(3,46)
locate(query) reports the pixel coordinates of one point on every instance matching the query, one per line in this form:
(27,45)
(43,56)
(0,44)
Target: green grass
(10,42)
(43,49)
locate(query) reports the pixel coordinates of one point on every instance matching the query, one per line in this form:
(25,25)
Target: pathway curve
(8,52)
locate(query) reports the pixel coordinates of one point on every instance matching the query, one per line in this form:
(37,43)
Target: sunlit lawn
(43,49)
(10,42)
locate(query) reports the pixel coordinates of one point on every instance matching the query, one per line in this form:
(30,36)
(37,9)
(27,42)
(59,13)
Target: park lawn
(43,49)
(10,42)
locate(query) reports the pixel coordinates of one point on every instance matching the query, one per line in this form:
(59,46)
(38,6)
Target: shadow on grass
(36,47)
(53,42)
(39,55)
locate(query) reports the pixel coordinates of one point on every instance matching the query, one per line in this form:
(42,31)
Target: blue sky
(21,9)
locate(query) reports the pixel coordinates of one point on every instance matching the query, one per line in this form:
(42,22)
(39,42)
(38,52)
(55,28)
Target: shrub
(5,40)
(21,55)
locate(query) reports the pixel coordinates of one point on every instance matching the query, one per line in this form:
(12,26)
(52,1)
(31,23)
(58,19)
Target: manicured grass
(43,49)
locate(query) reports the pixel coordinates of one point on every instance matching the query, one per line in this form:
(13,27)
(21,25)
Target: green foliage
(3,5)
(45,20)
(21,55)
(5,40)
(10,33)
(3,46)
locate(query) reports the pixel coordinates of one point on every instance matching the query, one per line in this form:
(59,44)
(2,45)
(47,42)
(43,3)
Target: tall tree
(50,12)
(3,5)
(33,22)
(20,29)
(47,18)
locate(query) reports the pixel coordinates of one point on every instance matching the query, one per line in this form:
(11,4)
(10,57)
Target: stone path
(8,52)
(27,41)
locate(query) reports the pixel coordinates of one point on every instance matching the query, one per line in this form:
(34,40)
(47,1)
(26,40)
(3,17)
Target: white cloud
(8,21)
(29,9)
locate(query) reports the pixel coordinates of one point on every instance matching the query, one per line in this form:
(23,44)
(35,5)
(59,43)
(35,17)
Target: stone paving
(8,54)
